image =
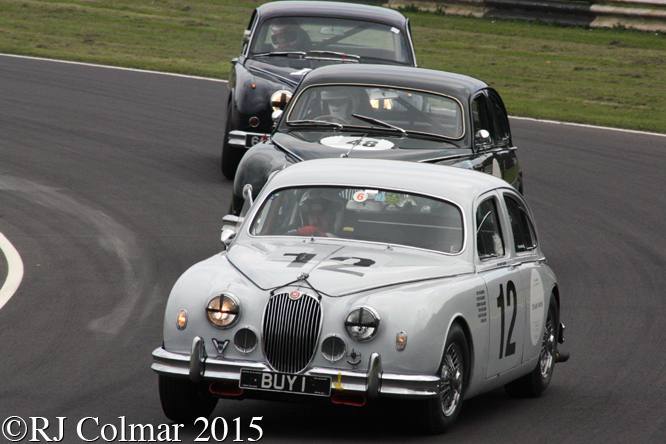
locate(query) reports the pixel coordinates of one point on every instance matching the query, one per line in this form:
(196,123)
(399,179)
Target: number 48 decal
(503,304)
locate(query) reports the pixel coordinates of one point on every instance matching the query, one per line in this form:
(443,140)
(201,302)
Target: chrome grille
(290,330)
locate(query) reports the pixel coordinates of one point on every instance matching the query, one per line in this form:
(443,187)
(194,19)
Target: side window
(481,115)
(501,132)
(489,242)
(521,226)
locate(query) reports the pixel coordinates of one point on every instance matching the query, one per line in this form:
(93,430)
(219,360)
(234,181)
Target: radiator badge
(220,346)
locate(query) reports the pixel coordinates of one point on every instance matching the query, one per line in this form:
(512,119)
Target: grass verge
(610,77)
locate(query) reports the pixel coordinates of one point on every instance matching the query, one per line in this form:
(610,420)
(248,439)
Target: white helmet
(285,34)
(338,102)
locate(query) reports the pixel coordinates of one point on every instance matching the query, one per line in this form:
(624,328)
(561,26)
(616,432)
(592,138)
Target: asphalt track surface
(110,188)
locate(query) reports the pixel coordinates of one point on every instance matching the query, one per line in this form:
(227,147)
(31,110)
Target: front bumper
(243,139)
(373,382)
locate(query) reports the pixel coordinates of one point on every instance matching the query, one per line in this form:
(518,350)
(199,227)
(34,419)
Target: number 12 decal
(502,304)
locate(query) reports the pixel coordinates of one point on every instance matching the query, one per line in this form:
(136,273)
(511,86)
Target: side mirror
(482,138)
(229,224)
(227,236)
(247,193)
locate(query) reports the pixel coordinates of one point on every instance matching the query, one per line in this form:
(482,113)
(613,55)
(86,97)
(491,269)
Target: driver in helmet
(318,216)
(286,35)
(337,103)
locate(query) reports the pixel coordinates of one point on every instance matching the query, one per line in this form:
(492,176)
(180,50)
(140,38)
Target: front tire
(184,401)
(441,412)
(535,383)
(231,155)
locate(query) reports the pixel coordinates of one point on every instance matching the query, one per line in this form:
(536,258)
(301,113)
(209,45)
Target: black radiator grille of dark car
(290,330)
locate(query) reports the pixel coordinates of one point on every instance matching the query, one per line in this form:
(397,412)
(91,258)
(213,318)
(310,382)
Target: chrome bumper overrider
(373,382)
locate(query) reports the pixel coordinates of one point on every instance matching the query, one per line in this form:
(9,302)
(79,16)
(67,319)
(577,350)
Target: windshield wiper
(381,123)
(315,122)
(298,54)
(351,57)
(383,61)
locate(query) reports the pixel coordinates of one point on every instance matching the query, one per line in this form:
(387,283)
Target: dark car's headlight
(279,99)
(223,311)
(362,324)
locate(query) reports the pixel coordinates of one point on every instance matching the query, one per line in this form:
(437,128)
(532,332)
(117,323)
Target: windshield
(375,215)
(370,106)
(372,41)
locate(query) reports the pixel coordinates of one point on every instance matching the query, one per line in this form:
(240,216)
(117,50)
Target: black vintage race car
(287,39)
(389,112)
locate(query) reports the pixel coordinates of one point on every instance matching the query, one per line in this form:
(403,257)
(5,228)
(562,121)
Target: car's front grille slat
(291,331)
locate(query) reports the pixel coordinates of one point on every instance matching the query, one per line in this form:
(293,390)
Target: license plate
(252,139)
(283,382)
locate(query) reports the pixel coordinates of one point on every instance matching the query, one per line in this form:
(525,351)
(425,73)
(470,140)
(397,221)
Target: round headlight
(223,311)
(362,324)
(279,99)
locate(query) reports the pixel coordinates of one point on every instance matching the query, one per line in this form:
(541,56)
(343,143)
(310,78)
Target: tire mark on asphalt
(113,237)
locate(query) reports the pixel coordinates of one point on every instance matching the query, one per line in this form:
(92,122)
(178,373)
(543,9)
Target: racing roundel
(358,143)
(537,308)
(360,196)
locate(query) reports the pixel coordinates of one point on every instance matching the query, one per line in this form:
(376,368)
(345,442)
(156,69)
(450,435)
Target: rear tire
(184,401)
(441,412)
(535,383)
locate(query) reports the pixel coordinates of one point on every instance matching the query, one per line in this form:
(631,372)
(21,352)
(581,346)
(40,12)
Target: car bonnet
(365,144)
(337,268)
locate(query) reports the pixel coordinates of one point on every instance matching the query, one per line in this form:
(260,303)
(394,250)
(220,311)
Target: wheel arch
(467,331)
(256,166)
(555,291)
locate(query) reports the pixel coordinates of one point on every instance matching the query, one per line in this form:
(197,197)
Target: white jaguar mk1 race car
(355,280)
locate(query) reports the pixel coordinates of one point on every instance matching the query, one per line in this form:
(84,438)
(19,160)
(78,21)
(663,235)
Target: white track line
(583,125)
(14,270)
(224,81)
(114,67)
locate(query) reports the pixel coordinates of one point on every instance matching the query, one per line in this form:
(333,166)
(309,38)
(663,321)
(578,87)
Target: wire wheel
(451,379)
(547,355)
(534,383)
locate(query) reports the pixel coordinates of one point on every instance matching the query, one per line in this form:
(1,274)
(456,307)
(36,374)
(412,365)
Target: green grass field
(609,77)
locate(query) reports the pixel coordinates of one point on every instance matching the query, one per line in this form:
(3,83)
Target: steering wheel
(333,119)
